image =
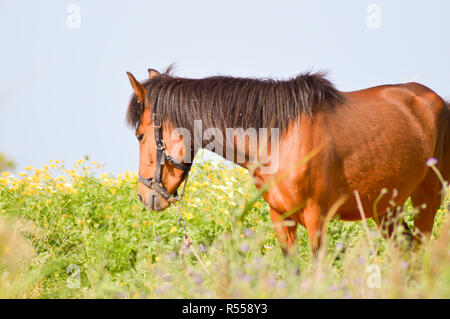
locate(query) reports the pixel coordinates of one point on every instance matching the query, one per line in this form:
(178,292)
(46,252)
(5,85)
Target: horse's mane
(223,101)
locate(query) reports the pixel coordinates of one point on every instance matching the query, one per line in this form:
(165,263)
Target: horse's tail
(446,148)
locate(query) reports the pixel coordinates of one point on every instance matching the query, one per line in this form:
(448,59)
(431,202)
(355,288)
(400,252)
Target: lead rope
(187,241)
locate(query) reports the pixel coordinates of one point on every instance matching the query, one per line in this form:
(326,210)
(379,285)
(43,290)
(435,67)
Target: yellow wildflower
(188,216)
(258,204)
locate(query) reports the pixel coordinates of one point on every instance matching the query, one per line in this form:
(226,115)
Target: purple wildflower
(244,248)
(432,161)
(248,232)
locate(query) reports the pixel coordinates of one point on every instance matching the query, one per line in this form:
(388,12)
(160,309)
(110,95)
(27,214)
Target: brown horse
(362,142)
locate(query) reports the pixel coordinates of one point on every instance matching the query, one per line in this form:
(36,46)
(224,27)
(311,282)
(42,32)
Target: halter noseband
(161,156)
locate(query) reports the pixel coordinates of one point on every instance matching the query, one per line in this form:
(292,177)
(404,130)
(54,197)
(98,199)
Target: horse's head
(161,167)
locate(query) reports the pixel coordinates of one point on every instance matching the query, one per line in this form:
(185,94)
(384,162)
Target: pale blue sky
(64,92)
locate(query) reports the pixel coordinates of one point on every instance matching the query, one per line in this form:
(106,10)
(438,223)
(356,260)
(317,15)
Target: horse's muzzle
(153,201)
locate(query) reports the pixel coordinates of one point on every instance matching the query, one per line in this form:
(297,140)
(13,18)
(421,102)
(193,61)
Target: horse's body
(380,138)
(363,142)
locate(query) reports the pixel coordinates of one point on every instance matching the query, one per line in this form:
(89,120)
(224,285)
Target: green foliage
(94,222)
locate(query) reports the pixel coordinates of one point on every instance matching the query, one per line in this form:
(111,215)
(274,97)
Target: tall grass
(81,233)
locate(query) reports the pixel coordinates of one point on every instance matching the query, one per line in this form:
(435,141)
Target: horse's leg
(387,225)
(312,220)
(427,194)
(286,234)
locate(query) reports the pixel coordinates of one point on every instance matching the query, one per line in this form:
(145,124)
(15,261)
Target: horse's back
(416,104)
(428,110)
(382,138)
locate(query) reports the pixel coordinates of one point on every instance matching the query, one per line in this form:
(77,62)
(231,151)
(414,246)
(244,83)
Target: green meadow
(73,231)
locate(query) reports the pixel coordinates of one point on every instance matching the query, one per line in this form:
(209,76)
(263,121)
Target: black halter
(161,157)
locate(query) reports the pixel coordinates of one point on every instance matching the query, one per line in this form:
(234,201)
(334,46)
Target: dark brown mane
(235,102)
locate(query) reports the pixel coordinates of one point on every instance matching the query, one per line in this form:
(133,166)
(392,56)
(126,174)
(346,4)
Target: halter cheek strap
(161,156)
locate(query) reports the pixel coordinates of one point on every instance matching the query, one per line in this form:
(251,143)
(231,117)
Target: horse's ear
(152,73)
(138,88)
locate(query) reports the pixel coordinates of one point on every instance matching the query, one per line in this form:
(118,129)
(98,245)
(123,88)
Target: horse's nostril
(140,198)
(154,202)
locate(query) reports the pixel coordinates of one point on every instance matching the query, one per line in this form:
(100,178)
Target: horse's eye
(140,137)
